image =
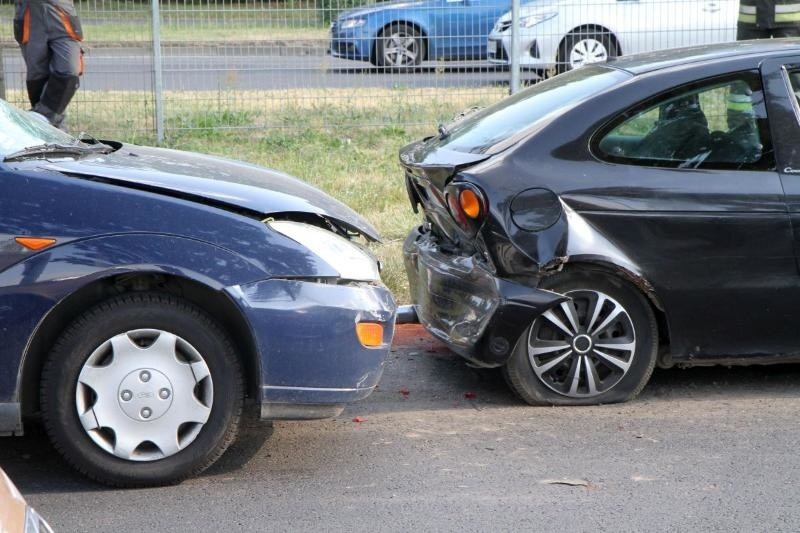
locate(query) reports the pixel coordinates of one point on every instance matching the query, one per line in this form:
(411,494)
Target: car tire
(583,47)
(604,352)
(399,47)
(142,390)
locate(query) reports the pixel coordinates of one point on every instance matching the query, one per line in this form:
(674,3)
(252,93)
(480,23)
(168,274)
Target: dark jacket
(768,14)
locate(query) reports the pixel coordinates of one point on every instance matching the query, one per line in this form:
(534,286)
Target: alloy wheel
(401,49)
(583,347)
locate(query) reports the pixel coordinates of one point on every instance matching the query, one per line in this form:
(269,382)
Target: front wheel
(142,390)
(399,47)
(598,347)
(584,47)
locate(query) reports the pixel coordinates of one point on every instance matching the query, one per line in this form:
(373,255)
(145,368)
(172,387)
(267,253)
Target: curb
(279,48)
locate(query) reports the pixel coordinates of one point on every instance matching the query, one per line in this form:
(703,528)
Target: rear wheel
(399,47)
(142,390)
(599,347)
(584,47)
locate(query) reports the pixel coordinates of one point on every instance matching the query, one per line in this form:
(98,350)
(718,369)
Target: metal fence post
(2,74)
(514,46)
(158,87)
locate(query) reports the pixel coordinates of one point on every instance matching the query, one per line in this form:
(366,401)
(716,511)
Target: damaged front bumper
(459,300)
(312,362)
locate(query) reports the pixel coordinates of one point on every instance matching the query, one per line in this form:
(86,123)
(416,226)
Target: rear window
(479,132)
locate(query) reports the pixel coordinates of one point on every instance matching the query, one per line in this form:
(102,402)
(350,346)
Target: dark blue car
(403,34)
(148,297)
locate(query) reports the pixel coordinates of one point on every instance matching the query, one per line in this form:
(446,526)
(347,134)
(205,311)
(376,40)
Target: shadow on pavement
(421,375)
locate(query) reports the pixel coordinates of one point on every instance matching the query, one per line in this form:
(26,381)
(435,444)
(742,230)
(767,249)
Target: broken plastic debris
(405,392)
(359,419)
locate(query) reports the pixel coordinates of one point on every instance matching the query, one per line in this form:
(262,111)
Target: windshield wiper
(57,149)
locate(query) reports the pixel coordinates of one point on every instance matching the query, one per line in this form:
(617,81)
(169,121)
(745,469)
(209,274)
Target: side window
(794,82)
(719,123)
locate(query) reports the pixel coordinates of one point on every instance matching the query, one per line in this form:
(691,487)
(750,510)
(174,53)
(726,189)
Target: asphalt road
(247,68)
(445,447)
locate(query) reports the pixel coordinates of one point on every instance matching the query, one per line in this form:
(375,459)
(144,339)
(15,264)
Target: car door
(782,84)
(462,27)
(704,217)
(648,25)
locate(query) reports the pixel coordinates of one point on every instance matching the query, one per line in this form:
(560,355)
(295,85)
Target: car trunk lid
(428,171)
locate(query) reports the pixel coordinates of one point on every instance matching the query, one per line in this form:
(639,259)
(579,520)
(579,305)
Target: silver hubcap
(144,394)
(587,51)
(400,49)
(583,347)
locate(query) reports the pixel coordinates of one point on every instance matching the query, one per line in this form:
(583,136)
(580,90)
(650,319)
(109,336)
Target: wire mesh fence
(161,68)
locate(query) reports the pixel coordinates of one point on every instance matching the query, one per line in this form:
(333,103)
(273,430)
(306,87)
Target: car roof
(663,59)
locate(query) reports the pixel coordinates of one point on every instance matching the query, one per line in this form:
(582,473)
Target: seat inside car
(680,133)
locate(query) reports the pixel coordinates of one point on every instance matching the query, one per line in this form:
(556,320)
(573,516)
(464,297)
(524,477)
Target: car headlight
(533,20)
(352,23)
(35,523)
(346,257)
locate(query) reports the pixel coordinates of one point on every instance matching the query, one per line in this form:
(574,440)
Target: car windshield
(478,133)
(18,130)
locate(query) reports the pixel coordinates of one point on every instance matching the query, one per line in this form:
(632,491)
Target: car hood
(213,180)
(360,12)
(534,8)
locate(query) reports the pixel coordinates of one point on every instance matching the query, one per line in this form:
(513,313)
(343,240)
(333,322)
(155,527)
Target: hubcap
(400,49)
(587,51)
(144,394)
(584,347)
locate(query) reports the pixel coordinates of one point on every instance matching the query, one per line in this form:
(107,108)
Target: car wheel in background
(599,347)
(399,47)
(144,389)
(584,47)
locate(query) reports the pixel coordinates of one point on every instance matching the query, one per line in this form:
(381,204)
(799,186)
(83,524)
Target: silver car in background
(561,35)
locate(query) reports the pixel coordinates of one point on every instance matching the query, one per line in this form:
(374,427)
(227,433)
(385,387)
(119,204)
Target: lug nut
(163,394)
(144,375)
(146,412)
(126,395)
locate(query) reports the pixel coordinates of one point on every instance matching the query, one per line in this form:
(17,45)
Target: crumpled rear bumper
(477,314)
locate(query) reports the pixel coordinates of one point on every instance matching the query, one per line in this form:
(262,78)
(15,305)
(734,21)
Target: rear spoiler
(436,164)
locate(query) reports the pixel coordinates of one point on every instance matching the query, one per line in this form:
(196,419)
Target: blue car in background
(148,297)
(399,35)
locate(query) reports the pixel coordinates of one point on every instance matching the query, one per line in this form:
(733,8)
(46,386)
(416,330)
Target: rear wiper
(56,149)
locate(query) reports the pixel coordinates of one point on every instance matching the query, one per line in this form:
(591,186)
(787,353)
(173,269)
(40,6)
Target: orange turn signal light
(470,203)
(370,334)
(34,243)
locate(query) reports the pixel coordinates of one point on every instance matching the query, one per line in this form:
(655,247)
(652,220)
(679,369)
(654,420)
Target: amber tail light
(467,205)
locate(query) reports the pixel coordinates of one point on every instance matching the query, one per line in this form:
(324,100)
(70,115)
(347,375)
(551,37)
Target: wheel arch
(597,28)
(414,24)
(637,281)
(214,302)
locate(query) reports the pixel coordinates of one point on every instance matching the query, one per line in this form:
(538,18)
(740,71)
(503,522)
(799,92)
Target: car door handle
(711,8)
(790,170)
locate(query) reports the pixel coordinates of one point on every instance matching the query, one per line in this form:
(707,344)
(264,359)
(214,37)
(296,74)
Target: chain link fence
(156,69)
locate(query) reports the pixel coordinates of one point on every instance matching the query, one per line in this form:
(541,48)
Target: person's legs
(37,60)
(65,67)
